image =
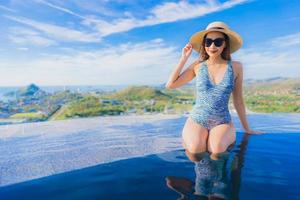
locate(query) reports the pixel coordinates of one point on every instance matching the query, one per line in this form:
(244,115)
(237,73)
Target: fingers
(188,46)
(187,50)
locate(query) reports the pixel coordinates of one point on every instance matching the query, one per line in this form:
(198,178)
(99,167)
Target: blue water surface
(258,167)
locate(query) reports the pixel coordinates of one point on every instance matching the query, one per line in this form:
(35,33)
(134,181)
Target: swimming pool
(258,167)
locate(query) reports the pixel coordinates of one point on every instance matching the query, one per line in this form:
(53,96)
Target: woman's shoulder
(196,65)
(237,64)
(237,67)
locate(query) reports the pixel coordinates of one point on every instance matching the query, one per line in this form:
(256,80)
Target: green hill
(86,107)
(276,86)
(274,95)
(139,93)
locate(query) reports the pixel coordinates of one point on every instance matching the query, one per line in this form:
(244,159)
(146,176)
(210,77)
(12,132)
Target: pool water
(258,167)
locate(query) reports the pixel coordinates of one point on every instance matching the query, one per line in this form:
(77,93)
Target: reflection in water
(212,180)
(211,177)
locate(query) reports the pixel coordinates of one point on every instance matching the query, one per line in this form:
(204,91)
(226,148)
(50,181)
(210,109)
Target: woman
(209,125)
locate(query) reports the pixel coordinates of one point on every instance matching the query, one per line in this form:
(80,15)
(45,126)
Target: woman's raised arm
(176,79)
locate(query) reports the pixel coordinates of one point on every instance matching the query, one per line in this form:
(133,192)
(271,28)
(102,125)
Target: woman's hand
(186,51)
(253,132)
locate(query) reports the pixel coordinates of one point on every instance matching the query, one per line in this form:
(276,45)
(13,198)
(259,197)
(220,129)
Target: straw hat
(235,39)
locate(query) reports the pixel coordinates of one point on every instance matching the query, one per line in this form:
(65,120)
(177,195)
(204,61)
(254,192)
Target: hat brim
(235,39)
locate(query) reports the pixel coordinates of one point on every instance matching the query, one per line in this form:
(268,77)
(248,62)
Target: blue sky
(111,42)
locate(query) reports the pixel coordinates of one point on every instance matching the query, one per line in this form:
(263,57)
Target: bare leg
(221,137)
(194,136)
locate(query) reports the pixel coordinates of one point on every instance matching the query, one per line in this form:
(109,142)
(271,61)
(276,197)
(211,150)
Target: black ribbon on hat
(216,28)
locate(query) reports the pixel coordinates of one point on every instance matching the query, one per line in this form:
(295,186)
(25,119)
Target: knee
(168,180)
(217,147)
(196,147)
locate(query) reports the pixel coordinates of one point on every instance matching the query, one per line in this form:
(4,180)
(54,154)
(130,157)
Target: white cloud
(60,8)
(57,32)
(23,49)
(166,12)
(276,57)
(170,11)
(99,7)
(163,13)
(289,40)
(7,9)
(24,36)
(140,63)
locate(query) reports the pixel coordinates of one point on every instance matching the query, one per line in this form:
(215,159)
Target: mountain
(275,85)
(29,90)
(268,80)
(139,93)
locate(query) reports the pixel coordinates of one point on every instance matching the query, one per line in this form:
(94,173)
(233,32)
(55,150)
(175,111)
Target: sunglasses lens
(218,42)
(208,42)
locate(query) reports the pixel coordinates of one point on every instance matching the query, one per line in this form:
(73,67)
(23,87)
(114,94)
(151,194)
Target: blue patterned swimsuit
(211,108)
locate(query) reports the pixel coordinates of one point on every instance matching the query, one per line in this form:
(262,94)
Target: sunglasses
(218,42)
